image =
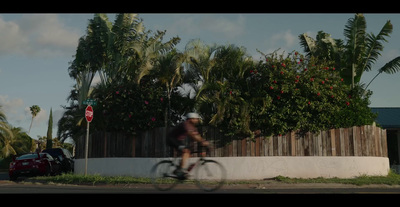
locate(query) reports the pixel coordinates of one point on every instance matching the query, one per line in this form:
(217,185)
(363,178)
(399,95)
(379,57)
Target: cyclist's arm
(196,136)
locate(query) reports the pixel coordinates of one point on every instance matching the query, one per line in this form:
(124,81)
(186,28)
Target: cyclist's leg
(174,143)
(185,157)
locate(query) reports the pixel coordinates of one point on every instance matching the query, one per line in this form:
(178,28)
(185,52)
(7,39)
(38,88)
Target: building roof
(388,117)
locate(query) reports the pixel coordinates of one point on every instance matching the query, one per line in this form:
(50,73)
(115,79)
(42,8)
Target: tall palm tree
(35,109)
(358,54)
(168,70)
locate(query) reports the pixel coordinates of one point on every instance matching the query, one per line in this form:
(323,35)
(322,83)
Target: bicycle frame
(193,165)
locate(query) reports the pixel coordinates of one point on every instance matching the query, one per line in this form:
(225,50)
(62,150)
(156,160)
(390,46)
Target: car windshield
(54,152)
(27,156)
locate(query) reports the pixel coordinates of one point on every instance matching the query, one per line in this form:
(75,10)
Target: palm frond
(354,32)
(391,67)
(308,44)
(375,46)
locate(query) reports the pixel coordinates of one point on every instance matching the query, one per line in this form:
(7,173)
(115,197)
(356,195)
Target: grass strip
(89,179)
(391,179)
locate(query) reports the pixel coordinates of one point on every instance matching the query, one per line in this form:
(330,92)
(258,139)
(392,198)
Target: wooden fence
(366,140)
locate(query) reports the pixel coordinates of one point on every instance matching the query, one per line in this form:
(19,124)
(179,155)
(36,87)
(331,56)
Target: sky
(36,49)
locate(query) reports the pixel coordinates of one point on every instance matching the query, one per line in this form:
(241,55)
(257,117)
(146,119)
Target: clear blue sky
(35,51)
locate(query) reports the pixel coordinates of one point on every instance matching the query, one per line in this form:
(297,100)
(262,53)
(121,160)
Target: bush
(281,94)
(130,107)
(302,95)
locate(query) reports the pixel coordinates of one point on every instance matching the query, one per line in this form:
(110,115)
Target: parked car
(64,156)
(33,164)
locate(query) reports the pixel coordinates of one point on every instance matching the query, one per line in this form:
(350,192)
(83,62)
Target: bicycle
(209,175)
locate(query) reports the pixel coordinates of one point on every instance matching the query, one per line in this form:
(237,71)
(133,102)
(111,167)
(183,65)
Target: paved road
(29,188)
(8,187)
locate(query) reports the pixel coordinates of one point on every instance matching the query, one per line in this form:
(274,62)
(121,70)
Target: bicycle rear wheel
(210,175)
(162,176)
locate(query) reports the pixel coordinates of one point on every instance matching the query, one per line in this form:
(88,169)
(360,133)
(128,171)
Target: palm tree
(357,55)
(4,127)
(35,109)
(5,135)
(15,142)
(130,52)
(200,61)
(22,142)
(168,70)
(218,98)
(121,52)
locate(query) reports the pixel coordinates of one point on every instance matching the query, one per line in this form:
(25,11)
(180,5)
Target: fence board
(351,141)
(270,146)
(384,143)
(379,141)
(363,141)
(354,141)
(324,143)
(332,140)
(311,143)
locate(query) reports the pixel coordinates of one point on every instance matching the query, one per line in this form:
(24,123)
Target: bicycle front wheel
(210,175)
(162,176)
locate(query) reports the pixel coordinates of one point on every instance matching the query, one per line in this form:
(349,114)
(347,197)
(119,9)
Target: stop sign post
(89,118)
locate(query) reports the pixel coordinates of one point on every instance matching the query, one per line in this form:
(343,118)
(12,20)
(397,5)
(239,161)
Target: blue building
(389,119)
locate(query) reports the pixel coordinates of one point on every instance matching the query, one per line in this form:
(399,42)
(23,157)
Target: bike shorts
(176,144)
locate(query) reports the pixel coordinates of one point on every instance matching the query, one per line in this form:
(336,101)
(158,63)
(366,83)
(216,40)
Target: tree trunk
(29,131)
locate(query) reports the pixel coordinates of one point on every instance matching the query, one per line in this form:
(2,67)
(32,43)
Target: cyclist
(176,138)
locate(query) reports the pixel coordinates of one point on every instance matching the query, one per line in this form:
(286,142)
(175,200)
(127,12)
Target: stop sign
(89,113)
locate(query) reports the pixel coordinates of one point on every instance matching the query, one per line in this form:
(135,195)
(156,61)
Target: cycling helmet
(193,115)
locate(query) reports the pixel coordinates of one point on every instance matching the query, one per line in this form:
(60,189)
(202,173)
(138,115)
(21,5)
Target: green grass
(89,179)
(391,179)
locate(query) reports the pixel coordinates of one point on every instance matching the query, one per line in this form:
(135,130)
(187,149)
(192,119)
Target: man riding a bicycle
(176,138)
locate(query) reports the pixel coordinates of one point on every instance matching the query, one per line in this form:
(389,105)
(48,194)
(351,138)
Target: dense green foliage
(13,140)
(147,83)
(284,93)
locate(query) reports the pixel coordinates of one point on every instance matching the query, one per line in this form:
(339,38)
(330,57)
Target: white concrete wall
(246,168)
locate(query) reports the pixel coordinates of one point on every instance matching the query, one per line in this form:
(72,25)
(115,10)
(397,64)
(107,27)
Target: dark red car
(32,164)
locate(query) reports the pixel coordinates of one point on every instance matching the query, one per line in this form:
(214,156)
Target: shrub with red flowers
(129,107)
(132,108)
(294,93)
(281,94)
